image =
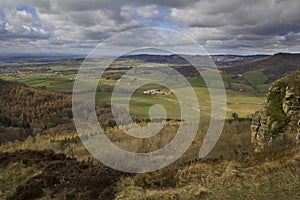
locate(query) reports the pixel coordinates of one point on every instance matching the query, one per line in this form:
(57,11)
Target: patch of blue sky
(159,22)
(169,25)
(28,9)
(163,10)
(32,11)
(2,15)
(143,19)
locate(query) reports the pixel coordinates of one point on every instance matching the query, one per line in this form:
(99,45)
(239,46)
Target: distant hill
(183,66)
(273,67)
(175,59)
(230,60)
(220,60)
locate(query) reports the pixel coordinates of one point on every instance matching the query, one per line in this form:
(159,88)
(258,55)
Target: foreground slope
(46,175)
(267,175)
(271,174)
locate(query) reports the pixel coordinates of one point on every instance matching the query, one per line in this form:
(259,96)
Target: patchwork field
(242,103)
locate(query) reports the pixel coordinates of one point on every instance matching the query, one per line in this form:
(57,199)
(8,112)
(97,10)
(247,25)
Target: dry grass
(275,177)
(231,170)
(14,175)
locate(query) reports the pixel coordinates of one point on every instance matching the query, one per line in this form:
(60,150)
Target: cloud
(231,26)
(19,25)
(148,11)
(242,24)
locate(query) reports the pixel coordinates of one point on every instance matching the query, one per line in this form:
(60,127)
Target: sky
(78,26)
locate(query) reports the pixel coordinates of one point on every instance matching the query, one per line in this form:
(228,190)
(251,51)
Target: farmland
(41,125)
(241,97)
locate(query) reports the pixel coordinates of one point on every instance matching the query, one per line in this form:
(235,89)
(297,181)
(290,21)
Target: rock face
(278,122)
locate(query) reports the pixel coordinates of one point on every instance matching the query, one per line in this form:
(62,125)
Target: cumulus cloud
(19,25)
(242,24)
(148,11)
(231,26)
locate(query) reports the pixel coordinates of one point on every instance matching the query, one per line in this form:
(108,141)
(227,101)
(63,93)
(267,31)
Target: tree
(235,116)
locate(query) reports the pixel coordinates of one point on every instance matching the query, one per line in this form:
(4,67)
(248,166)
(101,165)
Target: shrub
(275,110)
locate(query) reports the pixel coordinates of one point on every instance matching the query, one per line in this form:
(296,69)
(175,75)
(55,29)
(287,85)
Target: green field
(242,103)
(255,77)
(50,82)
(257,80)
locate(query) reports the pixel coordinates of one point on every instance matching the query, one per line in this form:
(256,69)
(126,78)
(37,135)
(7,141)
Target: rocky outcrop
(278,122)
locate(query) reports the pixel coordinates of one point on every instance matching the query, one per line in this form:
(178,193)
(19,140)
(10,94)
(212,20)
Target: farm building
(153,91)
(157,91)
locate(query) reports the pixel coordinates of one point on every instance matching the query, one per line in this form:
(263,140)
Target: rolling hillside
(30,111)
(232,170)
(26,110)
(273,67)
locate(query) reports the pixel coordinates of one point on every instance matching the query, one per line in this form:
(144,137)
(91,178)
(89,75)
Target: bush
(275,110)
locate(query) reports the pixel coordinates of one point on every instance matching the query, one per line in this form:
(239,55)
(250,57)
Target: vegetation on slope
(282,92)
(231,171)
(28,111)
(44,174)
(273,67)
(268,175)
(275,110)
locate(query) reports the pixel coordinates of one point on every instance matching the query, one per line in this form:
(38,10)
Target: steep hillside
(28,111)
(273,67)
(278,122)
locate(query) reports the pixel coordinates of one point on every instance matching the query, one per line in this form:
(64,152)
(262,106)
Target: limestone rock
(278,122)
